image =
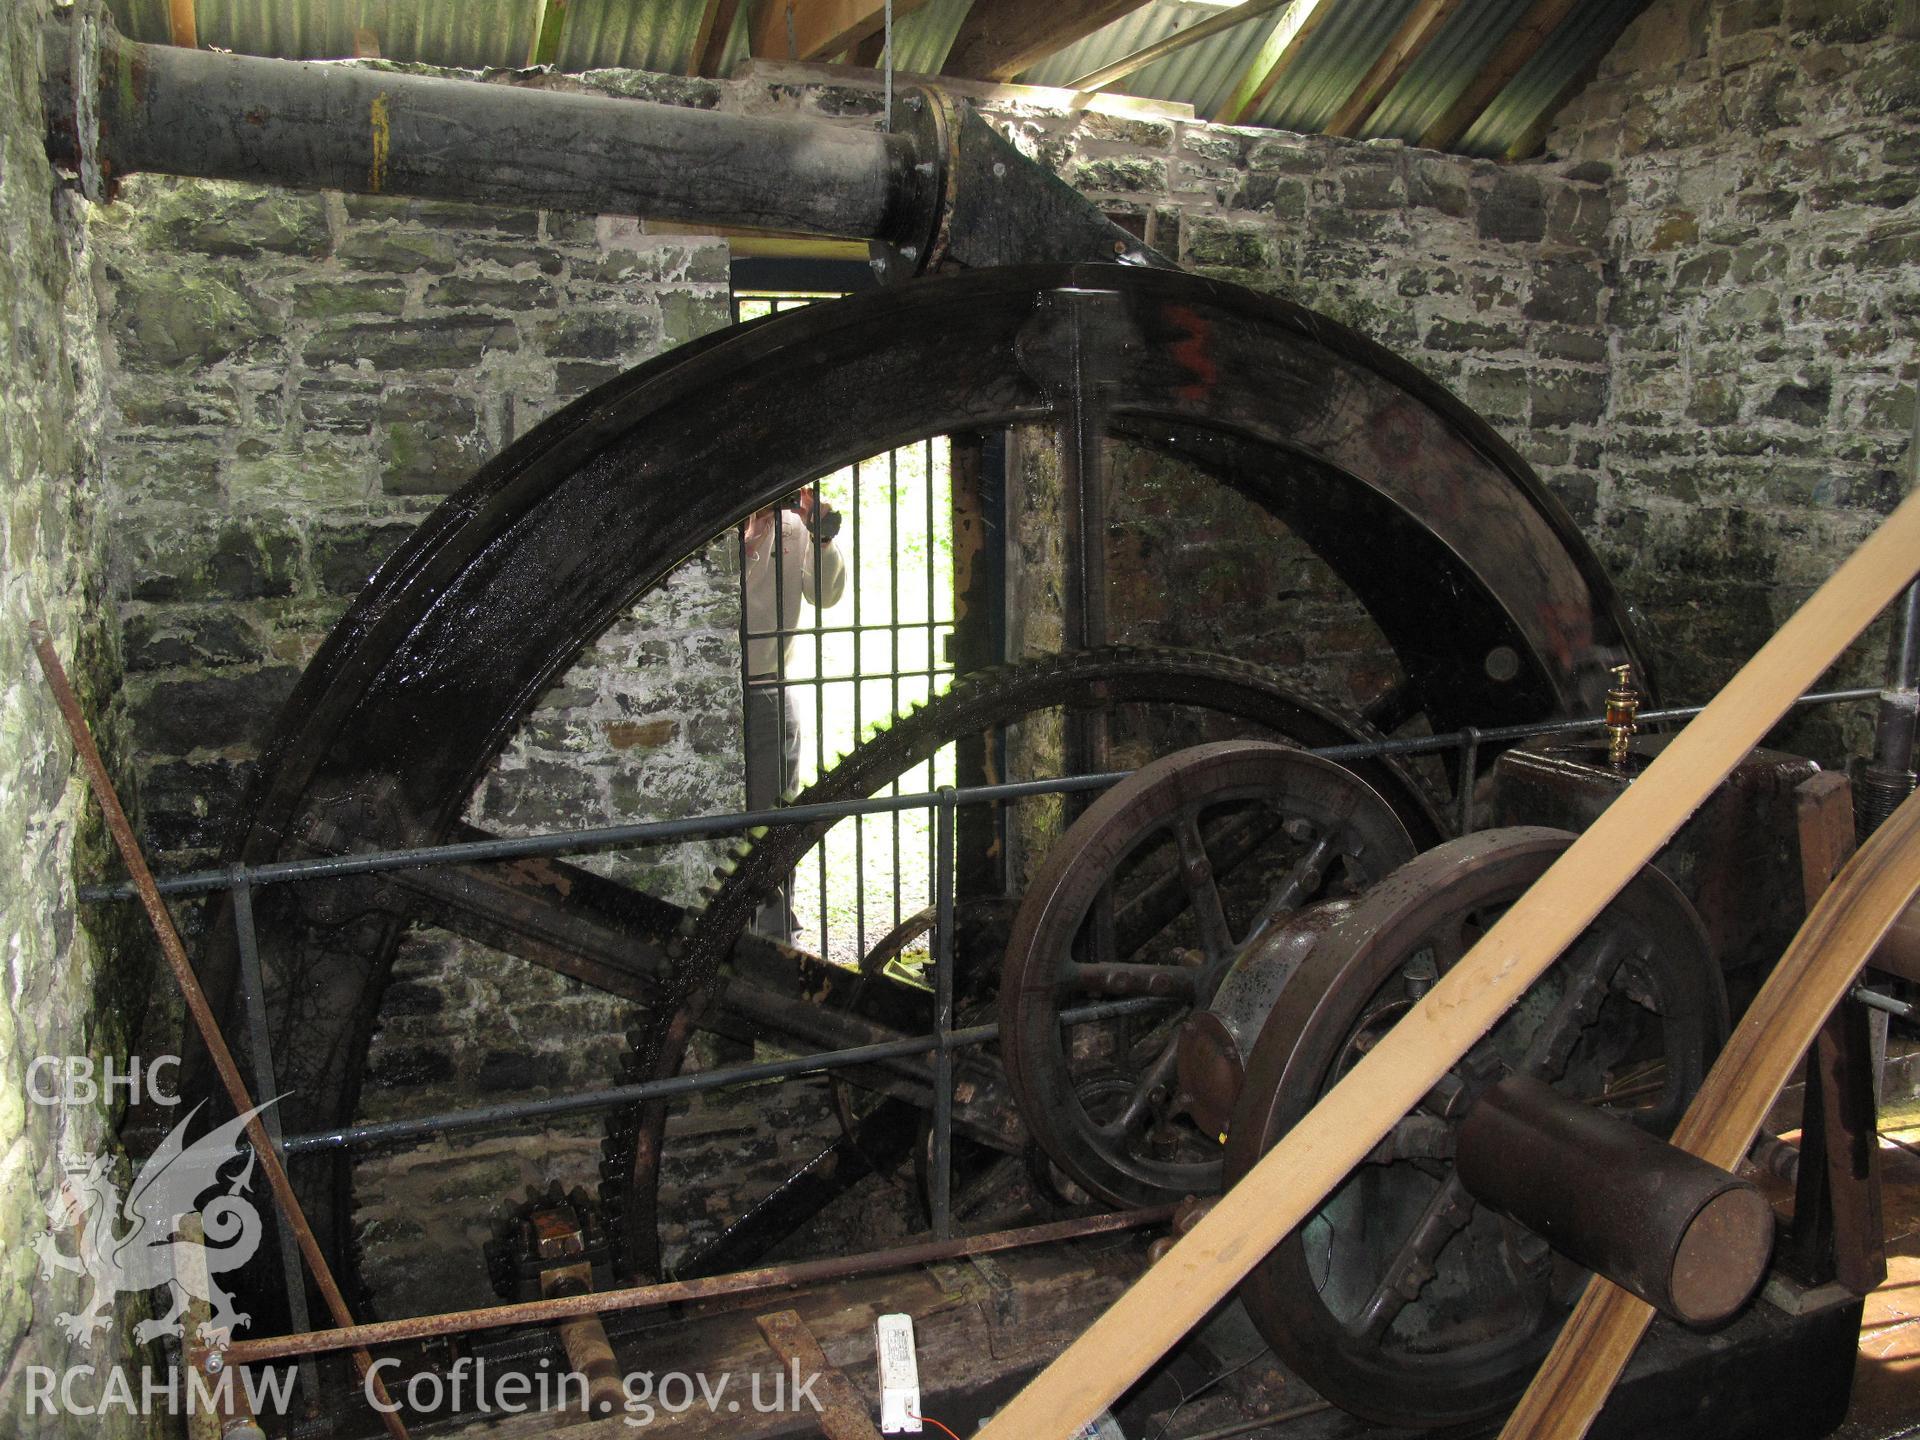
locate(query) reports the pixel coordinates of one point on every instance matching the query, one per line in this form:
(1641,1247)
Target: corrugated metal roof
(1434,81)
(659,34)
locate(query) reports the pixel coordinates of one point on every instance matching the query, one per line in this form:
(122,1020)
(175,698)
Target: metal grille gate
(817,677)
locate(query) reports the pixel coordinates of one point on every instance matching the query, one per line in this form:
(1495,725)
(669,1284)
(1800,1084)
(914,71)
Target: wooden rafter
(1200,30)
(1000,38)
(710,38)
(1409,42)
(1277,55)
(1535,135)
(183,24)
(549,24)
(819,29)
(1523,42)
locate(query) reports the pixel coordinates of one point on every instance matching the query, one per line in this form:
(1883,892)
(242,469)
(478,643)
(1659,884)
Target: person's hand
(807,504)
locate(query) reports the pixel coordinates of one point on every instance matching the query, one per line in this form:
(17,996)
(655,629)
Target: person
(806,567)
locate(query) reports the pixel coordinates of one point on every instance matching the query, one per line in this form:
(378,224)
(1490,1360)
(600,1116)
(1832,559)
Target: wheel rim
(1165,827)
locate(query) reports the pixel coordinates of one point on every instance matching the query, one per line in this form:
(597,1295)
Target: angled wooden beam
(1179,40)
(549,24)
(1523,42)
(183,24)
(1000,38)
(711,36)
(1535,135)
(1276,56)
(1409,42)
(819,29)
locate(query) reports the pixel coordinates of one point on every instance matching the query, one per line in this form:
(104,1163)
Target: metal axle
(940,183)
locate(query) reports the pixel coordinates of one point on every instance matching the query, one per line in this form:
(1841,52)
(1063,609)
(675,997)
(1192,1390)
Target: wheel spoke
(1196,872)
(1302,881)
(1587,979)
(1446,1214)
(1169,981)
(1139,1107)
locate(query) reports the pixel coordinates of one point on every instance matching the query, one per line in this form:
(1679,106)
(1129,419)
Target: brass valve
(1623,708)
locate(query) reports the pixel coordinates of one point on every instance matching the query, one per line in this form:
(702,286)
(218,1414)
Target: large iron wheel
(1153,893)
(1102,681)
(1442,532)
(1401,1300)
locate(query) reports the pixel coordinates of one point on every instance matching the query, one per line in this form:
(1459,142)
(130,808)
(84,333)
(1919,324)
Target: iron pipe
(1685,1236)
(117,107)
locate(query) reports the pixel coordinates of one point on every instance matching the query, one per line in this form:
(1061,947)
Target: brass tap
(1623,708)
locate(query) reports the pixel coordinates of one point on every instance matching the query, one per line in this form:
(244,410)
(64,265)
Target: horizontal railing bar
(707,826)
(486,1116)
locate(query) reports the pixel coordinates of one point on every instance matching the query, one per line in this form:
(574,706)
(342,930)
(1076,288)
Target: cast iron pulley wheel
(1152,893)
(1480,582)
(1400,1299)
(1103,681)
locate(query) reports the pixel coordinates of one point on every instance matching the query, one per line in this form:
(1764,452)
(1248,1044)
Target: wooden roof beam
(710,38)
(549,24)
(1523,42)
(1200,30)
(1000,38)
(819,29)
(183,24)
(1276,56)
(1409,42)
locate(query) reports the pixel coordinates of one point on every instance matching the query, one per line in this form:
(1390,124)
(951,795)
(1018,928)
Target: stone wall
(298,378)
(67,993)
(1764,317)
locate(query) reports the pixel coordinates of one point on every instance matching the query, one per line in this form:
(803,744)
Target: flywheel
(1155,893)
(1400,1299)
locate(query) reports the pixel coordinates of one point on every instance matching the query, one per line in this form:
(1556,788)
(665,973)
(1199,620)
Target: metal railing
(942,1043)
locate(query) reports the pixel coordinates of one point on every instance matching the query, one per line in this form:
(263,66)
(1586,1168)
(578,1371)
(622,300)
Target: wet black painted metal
(462,630)
(1685,1236)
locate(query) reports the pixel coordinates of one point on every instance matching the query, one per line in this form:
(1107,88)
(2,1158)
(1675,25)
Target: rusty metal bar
(649,1297)
(203,1018)
(842,1412)
(944,953)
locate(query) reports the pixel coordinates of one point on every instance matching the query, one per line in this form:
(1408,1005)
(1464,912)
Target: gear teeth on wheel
(976,702)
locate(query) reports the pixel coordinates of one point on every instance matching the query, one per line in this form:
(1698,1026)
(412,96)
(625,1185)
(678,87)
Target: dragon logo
(132,1243)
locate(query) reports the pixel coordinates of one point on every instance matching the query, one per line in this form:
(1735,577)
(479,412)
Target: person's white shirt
(807,571)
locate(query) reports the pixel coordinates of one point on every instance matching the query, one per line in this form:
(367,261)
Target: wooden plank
(843,1410)
(1000,38)
(1298,1173)
(1535,135)
(1409,42)
(1523,42)
(1277,55)
(549,24)
(183,24)
(1811,978)
(820,29)
(710,37)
